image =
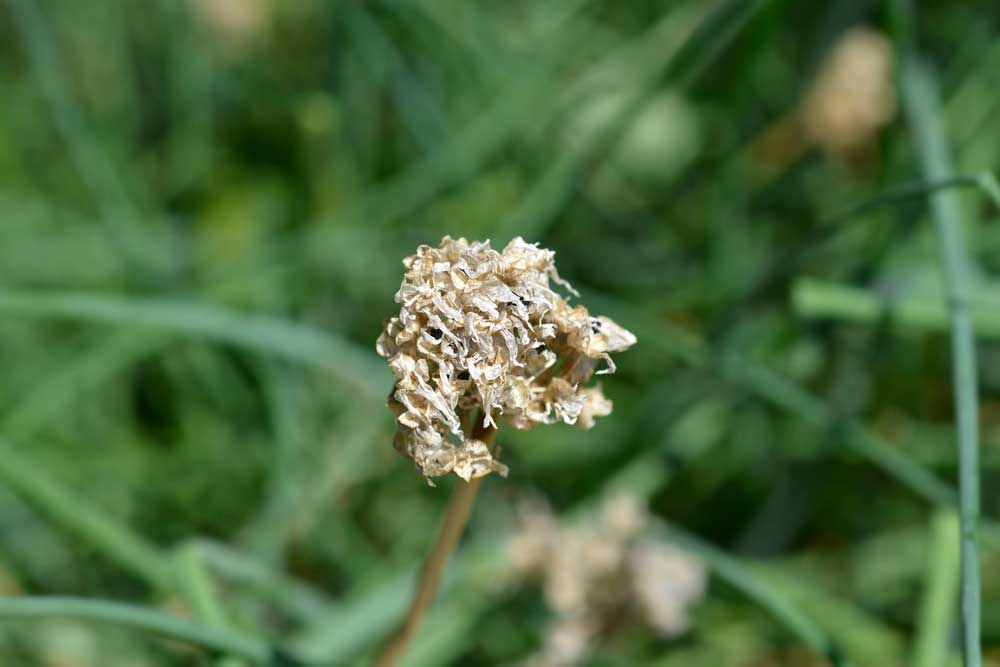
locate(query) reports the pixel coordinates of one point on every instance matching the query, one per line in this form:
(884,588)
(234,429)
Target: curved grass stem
(429,581)
(985,182)
(165,625)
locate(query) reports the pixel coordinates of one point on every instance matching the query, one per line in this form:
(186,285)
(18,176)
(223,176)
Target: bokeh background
(203,209)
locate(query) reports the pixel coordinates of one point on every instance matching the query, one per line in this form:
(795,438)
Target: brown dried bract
(484,329)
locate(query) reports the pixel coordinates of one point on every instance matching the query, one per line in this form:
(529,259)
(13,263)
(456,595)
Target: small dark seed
(541,347)
(436,334)
(464,375)
(595,326)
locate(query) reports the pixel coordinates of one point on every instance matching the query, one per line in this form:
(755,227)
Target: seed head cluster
(602,576)
(482,329)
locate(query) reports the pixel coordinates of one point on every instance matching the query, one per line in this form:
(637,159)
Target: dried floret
(594,405)
(600,575)
(566,643)
(665,580)
(481,329)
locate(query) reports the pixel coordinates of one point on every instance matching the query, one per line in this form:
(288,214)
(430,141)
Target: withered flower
(602,575)
(853,95)
(236,22)
(481,329)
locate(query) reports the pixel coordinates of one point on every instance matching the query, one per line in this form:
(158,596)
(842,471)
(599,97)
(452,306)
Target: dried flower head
(853,95)
(602,574)
(481,329)
(236,22)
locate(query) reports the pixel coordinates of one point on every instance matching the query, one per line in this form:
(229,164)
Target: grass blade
(985,182)
(816,298)
(291,595)
(356,367)
(937,609)
(140,618)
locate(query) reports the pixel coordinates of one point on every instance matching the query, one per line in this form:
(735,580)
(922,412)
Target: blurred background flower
(853,96)
(603,576)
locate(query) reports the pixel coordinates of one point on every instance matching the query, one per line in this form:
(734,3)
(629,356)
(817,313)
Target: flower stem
(920,99)
(455,517)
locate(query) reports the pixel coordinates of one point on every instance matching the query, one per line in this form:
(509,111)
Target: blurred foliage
(203,208)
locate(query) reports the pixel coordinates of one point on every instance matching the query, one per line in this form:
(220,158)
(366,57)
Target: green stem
(920,102)
(937,609)
(818,298)
(141,618)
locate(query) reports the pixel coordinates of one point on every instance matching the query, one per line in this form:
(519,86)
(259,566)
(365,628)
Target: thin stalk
(937,609)
(920,100)
(455,517)
(156,622)
(985,182)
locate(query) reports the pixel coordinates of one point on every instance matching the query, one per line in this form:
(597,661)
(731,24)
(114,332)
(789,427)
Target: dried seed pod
(478,328)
